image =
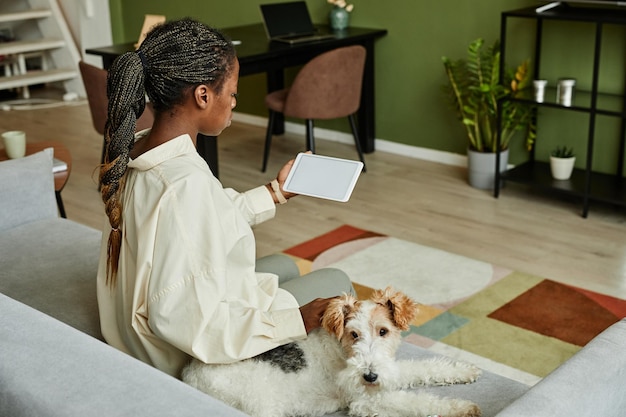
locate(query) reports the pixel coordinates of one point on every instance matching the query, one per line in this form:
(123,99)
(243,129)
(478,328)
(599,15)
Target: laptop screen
(282,19)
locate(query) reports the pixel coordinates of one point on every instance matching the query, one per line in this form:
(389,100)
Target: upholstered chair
(95,81)
(327,87)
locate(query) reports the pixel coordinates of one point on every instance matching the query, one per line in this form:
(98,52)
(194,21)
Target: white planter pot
(562,168)
(481,168)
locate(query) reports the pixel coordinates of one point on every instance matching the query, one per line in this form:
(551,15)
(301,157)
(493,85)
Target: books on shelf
(58,165)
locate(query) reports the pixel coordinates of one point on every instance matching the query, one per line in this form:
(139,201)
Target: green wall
(410,106)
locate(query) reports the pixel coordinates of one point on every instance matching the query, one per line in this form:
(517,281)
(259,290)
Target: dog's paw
(467,373)
(462,408)
(471,410)
(439,371)
(363,408)
(463,376)
(426,404)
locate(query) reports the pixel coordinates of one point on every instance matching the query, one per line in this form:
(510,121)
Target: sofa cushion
(492,392)
(50,369)
(27,190)
(51,265)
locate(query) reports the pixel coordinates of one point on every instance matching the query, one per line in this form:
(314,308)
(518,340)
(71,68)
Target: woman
(177,275)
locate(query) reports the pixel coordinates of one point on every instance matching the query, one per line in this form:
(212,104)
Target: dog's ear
(401,308)
(336,314)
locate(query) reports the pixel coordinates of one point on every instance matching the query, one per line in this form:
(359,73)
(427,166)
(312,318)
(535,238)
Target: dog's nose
(370,377)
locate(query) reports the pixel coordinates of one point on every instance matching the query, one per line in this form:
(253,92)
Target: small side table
(60,178)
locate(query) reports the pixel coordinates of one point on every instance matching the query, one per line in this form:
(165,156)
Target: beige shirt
(186,284)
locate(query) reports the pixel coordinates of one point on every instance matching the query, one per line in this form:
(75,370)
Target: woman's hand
(312,313)
(282,177)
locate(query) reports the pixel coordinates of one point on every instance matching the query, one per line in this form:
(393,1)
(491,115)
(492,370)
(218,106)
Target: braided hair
(174,58)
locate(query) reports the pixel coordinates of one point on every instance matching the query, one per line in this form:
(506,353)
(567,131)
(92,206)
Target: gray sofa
(46,261)
(54,363)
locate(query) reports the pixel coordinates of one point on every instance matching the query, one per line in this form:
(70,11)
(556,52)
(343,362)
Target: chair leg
(268,139)
(310,140)
(60,204)
(357,142)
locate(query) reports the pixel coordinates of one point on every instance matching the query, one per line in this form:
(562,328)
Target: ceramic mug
(14,143)
(540,88)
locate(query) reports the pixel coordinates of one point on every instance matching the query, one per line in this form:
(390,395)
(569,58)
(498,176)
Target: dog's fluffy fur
(347,364)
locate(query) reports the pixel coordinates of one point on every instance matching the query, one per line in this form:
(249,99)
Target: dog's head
(394,306)
(370,332)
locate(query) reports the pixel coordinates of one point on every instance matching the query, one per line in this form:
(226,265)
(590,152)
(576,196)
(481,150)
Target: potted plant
(477,96)
(562,161)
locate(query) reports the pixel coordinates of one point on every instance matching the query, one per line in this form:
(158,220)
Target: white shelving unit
(40,34)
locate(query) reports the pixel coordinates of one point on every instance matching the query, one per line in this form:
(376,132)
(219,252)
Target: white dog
(348,364)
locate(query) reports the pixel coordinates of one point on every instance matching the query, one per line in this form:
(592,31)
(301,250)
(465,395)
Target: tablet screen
(323,177)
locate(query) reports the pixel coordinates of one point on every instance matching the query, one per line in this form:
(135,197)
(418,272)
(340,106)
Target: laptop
(290,23)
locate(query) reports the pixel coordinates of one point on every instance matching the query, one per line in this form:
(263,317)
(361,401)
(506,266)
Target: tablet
(323,177)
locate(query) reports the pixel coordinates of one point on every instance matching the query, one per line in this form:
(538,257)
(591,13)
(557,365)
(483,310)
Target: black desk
(257,55)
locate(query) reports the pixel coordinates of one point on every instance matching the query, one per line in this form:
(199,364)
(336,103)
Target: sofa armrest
(50,369)
(590,383)
(27,190)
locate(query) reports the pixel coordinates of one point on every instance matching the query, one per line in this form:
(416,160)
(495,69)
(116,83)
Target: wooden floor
(416,200)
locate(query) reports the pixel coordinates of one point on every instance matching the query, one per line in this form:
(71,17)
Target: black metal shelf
(604,188)
(611,15)
(587,184)
(606,104)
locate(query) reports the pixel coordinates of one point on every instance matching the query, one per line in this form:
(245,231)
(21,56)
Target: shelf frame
(585,183)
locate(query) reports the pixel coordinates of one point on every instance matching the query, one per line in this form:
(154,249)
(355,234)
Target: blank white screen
(321,177)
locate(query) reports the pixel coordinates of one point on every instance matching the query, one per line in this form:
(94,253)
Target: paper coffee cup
(14,143)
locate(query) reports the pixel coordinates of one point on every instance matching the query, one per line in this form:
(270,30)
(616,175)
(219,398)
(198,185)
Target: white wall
(90,24)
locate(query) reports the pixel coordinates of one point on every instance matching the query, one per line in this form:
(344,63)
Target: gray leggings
(323,283)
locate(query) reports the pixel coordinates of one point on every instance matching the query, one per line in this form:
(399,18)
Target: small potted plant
(562,161)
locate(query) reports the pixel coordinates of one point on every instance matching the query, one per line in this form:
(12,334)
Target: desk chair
(327,87)
(95,81)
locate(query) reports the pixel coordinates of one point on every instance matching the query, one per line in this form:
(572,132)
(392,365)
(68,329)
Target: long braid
(125,90)
(174,58)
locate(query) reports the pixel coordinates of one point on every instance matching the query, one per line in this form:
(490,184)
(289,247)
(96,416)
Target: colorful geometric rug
(514,324)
